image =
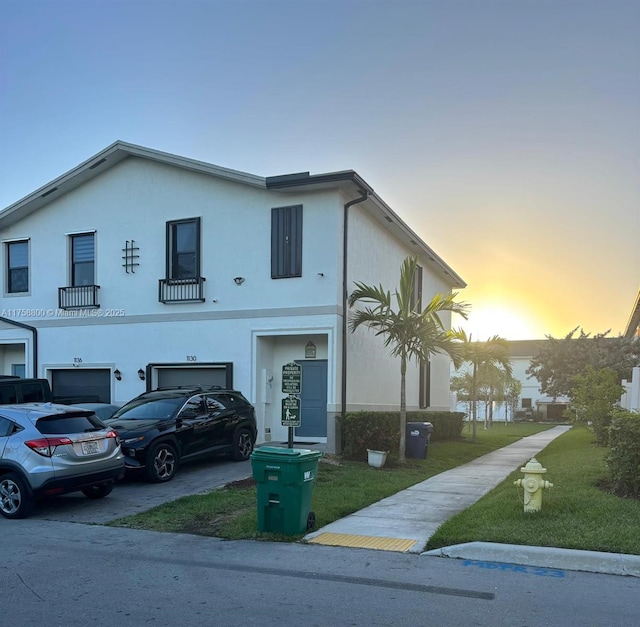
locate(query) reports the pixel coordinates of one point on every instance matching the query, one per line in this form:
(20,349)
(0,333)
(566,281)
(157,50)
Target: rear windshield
(33,392)
(150,408)
(8,394)
(69,423)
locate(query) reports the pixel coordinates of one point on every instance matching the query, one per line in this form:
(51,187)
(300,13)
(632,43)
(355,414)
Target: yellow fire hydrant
(533,483)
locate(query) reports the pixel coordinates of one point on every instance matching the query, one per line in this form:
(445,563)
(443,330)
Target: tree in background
(558,361)
(481,355)
(512,393)
(491,385)
(493,382)
(461,384)
(594,396)
(408,330)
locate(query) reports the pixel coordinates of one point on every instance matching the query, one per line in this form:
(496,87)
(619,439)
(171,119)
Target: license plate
(88,448)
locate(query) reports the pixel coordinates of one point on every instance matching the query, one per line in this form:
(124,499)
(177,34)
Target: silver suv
(48,449)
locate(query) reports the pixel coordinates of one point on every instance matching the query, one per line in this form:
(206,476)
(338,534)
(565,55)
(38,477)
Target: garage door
(82,385)
(212,375)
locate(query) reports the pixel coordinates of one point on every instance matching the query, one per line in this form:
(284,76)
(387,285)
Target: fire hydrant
(533,483)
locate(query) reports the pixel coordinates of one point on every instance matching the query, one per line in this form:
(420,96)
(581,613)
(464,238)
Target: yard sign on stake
(291,385)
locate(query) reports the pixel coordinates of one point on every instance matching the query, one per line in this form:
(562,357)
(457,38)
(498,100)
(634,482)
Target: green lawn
(576,513)
(341,488)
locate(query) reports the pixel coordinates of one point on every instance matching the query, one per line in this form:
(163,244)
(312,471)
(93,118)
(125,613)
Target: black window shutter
(425,384)
(286,242)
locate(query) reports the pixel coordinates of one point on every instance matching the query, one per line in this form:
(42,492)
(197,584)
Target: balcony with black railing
(78,297)
(189,290)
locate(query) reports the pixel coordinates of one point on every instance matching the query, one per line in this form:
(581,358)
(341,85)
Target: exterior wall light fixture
(141,374)
(239,280)
(117,374)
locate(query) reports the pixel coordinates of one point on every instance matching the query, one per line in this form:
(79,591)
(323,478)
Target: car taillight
(47,446)
(113,434)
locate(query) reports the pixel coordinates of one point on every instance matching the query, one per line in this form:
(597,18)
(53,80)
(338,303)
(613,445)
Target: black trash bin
(417,439)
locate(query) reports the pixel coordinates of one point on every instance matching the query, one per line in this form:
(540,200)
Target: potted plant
(378,441)
(376,458)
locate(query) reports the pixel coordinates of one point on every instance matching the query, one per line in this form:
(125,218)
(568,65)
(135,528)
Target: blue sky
(505,133)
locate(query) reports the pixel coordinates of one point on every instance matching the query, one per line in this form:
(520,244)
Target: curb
(563,559)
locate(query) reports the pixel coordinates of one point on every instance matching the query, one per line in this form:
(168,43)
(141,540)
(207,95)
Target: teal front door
(313,399)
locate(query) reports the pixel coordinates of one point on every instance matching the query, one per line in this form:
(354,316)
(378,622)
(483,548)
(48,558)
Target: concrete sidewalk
(405,521)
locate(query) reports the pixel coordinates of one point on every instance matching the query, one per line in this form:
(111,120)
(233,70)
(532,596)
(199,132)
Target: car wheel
(242,445)
(98,491)
(15,500)
(162,462)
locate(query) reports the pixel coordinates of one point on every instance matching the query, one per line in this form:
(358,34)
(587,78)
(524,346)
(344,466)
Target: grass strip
(341,488)
(577,512)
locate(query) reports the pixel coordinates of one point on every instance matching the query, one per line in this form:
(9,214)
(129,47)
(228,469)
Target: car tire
(15,498)
(98,491)
(162,462)
(242,445)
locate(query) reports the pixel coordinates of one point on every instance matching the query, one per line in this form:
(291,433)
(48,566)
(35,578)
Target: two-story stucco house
(139,269)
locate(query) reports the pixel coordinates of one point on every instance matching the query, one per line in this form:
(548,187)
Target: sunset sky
(506,133)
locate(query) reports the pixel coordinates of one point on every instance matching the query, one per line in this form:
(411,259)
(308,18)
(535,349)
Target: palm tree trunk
(491,395)
(403,408)
(474,406)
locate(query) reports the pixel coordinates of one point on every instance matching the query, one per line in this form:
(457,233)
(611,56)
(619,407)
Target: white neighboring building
(531,402)
(631,397)
(139,269)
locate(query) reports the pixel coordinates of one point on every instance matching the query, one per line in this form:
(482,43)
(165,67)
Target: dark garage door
(213,375)
(83,385)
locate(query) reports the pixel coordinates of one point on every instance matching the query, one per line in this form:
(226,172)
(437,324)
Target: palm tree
(495,379)
(482,355)
(408,330)
(512,396)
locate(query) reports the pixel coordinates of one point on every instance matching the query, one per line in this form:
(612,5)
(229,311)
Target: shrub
(623,459)
(381,430)
(447,425)
(594,397)
(367,429)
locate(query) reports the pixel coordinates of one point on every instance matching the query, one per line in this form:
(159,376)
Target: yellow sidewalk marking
(363,542)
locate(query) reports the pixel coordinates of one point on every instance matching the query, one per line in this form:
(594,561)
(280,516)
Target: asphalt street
(76,575)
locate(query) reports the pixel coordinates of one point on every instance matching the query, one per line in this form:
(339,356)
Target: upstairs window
(416,295)
(83,259)
(18,267)
(183,249)
(425,384)
(286,242)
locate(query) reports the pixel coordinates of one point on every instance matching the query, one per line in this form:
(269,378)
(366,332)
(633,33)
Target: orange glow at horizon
(487,321)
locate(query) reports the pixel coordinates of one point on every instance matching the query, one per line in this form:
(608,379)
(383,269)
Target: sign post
(291,385)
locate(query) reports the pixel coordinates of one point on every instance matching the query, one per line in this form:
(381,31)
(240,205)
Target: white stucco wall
(135,199)
(374,377)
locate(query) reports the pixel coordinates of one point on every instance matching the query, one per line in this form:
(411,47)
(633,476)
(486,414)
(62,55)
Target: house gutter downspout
(345,241)
(34,332)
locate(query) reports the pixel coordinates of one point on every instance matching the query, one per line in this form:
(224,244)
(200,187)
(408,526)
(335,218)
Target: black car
(161,429)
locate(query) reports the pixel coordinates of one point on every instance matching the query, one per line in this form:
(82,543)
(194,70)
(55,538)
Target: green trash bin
(284,478)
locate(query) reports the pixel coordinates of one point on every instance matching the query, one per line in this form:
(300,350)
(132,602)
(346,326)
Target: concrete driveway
(133,495)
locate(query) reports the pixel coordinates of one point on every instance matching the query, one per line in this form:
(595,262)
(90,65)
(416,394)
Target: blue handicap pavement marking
(529,570)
